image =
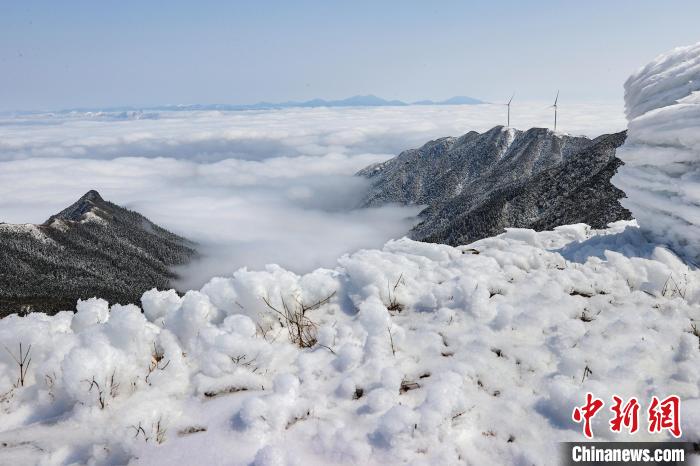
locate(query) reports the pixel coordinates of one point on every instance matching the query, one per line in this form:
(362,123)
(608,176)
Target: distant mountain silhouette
(457,100)
(355,101)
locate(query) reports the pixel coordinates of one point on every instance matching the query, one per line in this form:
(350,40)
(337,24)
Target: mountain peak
(91,248)
(75,211)
(92,196)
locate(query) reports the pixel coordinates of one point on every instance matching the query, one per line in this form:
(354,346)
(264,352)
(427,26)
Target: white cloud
(252,187)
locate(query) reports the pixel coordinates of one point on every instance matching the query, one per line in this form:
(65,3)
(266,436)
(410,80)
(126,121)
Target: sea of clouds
(251,187)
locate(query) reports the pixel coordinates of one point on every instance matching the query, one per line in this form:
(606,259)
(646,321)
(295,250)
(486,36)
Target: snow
(481,360)
(93,217)
(661,175)
(25,229)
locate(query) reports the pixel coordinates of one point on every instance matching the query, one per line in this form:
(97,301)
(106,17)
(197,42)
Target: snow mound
(417,353)
(661,175)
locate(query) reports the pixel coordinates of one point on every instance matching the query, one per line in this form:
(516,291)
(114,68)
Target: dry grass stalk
(23,361)
(302,330)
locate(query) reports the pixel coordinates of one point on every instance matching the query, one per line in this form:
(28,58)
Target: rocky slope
(476,185)
(92,248)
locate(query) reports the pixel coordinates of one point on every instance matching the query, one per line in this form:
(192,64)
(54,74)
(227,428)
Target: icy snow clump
(661,175)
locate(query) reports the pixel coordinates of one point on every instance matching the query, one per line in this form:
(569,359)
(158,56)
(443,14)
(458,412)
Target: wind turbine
(508,105)
(556,99)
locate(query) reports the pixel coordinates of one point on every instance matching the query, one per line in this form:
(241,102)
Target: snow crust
(481,360)
(661,175)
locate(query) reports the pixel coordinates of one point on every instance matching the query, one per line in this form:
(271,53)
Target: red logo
(586,412)
(662,414)
(627,416)
(665,415)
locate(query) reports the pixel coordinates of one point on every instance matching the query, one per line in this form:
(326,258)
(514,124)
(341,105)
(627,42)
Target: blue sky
(91,54)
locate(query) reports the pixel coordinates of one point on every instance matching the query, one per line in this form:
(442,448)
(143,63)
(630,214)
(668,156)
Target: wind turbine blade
(556,99)
(511,98)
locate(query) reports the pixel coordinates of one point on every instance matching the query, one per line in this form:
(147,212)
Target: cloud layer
(251,187)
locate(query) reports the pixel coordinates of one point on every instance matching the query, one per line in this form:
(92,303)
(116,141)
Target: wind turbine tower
(508,105)
(556,99)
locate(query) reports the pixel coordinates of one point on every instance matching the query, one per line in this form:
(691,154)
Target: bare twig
(391,341)
(23,361)
(407,386)
(586,372)
(113,385)
(695,331)
(302,330)
(394,305)
(243,361)
(100,394)
(160,429)
(264,332)
(327,347)
(140,430)
(156,359)
(672,285)
(191,430)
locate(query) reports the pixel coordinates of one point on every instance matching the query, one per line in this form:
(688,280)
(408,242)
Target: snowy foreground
(480,360)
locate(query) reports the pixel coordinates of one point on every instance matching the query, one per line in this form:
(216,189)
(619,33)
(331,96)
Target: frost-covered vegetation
(662,152)
(484,353)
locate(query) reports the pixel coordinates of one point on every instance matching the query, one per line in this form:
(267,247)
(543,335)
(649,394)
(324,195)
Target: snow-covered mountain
(476,185)
(92,248)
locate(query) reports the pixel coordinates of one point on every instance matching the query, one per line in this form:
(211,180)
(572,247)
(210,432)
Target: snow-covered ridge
(661,175)
(423,353)
(475,185)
